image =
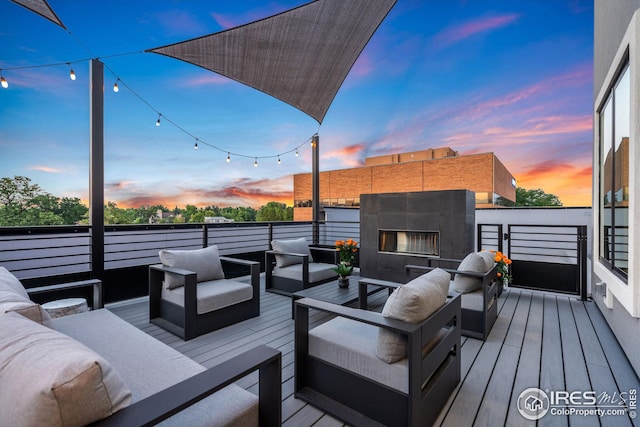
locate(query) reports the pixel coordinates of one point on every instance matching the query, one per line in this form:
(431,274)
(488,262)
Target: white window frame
(626,293)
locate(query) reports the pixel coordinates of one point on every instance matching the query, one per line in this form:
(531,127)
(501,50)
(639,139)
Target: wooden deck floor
(551,342)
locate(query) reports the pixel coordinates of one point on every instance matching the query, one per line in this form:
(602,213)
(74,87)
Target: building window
(615,128)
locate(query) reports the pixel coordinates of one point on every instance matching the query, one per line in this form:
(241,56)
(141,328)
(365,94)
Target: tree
(274,211)
(536,197)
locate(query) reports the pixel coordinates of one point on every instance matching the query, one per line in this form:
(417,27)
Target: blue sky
(509,77)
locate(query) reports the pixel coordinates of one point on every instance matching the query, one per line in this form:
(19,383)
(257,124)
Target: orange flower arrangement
(503,265)
(347,249)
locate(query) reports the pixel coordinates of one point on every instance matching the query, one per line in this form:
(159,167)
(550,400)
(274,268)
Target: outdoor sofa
(95,367)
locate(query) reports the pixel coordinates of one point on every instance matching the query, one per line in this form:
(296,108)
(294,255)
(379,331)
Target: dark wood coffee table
(331,292)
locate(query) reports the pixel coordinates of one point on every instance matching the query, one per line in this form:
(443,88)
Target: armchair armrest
(363,296)
(424,330)
(178,397)
(364,316)
(96,284)
(322,254)
(274,253)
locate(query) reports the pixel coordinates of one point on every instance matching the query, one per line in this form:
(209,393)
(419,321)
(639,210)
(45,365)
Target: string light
(72,74)
(4,83)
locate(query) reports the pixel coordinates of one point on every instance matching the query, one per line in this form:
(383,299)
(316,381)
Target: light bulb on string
(296,152)
(279,161)
(158,121)
(255,163)
(195,147)
(116,89)
(228,157)
(72,74)
(3,82)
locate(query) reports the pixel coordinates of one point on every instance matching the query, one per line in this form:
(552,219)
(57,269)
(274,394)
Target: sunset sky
(509,77)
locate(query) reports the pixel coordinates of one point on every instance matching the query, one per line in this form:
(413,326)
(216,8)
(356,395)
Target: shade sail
(42,8)
(301,56)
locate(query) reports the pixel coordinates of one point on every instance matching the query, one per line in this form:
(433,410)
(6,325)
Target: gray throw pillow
(413,303)
(204,262)
(474,263)
(295,246)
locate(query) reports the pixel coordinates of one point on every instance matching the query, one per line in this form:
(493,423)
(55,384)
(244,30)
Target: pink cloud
(206,80)
(46,169)
(459,32)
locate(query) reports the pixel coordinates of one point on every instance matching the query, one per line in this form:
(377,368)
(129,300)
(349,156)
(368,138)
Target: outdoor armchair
(369,368)
(190,296)
(294,265)
(475,279)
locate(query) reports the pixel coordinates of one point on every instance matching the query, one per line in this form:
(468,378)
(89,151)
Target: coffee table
(331,292)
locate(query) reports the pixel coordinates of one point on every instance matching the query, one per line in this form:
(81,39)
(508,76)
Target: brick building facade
(432,169)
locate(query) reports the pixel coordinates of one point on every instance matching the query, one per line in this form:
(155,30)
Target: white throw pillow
(49,379)
(204,262)
(474,263)
(413,303)
(295,246)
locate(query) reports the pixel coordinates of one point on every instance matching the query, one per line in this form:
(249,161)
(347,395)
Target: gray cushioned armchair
(190,296)
(339,368)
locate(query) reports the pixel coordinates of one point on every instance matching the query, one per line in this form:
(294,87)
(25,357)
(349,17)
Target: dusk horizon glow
(512,78)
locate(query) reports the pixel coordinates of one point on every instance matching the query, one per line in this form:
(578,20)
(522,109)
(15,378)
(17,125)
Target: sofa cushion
(145,357)
(474,263)
(212,295)
(351,345)
(204,262)
(295,246)
(49,379)
(471,300)
(318,272)
(412,302)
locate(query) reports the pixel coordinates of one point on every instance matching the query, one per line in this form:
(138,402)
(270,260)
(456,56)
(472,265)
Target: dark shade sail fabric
(42,8)
(300,56)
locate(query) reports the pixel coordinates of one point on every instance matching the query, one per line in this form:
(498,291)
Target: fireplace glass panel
(424,243)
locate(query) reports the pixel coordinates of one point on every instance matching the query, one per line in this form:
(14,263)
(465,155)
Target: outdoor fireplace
(420,243)
(398,229)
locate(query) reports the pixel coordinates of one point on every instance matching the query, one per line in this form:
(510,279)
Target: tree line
(23,203)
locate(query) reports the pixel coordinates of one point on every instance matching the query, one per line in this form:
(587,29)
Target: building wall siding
(479,173)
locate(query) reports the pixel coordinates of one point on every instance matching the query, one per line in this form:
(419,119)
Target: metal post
(315,183)
(96,167)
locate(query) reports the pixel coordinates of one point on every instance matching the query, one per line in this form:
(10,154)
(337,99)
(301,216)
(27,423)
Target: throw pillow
(295,246)
(48,378)
(474,263)
(9,281)
(204,262)
(489,259)
(11,301)
(413,303)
